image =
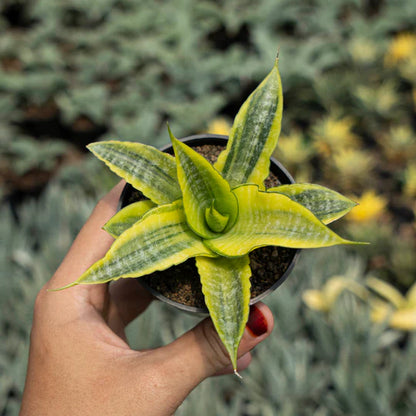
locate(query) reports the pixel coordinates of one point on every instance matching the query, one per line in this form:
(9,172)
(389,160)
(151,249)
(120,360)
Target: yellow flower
(323,300)
(219,126)
(398,310)
(371,207)
(402,47)
(333,133)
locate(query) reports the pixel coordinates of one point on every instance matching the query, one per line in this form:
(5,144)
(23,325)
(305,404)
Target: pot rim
(283,176)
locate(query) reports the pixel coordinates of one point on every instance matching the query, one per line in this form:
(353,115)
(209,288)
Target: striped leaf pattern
(216,214)
(267,218)
(127,217)
(147,169)
(226,287)
(254,134)
(327,205)
(209,204)
(160,240)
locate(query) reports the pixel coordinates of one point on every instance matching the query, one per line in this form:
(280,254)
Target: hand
(80,362)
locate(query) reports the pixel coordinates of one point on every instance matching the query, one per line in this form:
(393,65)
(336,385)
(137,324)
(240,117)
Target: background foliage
(72,72)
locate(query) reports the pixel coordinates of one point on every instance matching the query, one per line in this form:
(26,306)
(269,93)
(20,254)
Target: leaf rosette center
(216,221)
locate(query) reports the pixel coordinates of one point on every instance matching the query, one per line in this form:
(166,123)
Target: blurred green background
(76,71)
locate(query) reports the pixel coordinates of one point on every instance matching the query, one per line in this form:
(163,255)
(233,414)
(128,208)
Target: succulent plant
(396,309)
(215,213)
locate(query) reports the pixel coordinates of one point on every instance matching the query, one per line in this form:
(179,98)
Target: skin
(80,362)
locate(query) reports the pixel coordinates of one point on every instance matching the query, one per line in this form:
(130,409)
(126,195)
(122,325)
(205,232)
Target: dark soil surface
(181,283)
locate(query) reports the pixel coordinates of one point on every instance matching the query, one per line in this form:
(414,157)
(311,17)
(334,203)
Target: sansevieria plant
(215,213)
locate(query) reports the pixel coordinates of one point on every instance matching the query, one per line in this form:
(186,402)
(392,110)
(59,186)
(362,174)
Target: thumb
(199,353)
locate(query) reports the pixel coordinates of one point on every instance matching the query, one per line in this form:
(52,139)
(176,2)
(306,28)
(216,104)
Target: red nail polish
(256,323)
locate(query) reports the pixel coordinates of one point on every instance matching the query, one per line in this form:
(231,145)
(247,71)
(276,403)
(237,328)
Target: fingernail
(256,323)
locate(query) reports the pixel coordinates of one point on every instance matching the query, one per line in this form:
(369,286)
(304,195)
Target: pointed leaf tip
(326,204)
(158,241)
(226,288)
(237,374)
(254,134)
(267,218)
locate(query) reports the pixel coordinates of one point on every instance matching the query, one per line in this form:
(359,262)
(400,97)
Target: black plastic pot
(275,167)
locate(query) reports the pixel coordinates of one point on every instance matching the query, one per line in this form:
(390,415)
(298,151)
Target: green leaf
(160,240)
(147,169)
(209,204)
(254,134)
(271,219)
(126,217)
(226,287)
(326,205)
(215,220)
